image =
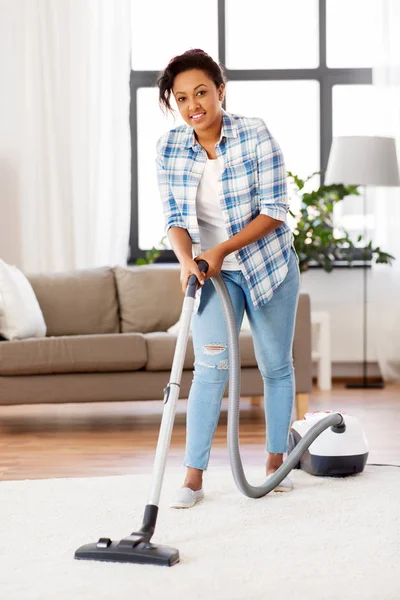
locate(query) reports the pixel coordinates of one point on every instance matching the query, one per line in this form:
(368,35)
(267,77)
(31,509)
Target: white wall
(340,293)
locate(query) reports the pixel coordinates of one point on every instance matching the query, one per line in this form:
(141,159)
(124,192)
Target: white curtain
(75,210)
(386,296)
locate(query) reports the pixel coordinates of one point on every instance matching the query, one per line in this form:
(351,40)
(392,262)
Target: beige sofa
(107,340)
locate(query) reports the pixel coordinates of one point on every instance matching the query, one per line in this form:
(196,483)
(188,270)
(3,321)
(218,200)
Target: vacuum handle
(193,282)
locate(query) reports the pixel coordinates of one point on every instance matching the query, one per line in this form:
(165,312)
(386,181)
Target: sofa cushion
(161,349)
(75,354)
(78,302)
(150,297)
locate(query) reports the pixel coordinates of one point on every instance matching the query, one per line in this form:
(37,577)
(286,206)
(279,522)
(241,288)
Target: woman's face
(196,94)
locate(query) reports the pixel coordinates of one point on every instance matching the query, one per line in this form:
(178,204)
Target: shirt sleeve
(172,214)
(272,176)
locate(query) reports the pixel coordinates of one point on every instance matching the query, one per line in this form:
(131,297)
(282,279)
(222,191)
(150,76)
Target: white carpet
(328,539)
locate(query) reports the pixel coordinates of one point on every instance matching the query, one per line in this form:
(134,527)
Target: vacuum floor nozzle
(126,551)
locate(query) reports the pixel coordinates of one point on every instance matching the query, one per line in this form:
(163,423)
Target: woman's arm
(181,243)
(178,235)
(172,214)
(272,175)
(258,228)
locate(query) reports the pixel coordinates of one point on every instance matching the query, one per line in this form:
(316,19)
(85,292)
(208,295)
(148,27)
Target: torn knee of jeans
(214,348)
(204,364)
(223,364)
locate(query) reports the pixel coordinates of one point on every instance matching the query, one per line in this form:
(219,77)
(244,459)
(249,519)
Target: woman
(222,181)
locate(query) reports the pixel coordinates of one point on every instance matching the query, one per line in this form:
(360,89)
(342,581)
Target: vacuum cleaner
(321,444)
(330,454)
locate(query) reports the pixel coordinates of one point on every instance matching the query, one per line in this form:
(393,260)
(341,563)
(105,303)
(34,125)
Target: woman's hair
(191,59)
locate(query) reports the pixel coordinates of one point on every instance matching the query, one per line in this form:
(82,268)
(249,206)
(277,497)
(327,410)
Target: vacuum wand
(137,548)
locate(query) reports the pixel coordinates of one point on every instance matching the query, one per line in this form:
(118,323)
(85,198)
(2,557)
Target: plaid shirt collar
(229,129)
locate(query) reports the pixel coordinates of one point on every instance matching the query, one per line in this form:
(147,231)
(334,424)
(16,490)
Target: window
(286,107)
(351,27)
(291,63)
(272,35)
(161,30)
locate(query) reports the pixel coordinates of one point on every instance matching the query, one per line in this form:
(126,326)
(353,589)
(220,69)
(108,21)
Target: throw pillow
(21,316)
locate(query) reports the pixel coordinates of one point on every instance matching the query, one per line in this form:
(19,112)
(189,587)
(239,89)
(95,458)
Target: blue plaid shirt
(253,182)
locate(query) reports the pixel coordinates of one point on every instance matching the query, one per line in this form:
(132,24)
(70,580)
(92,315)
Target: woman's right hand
(189,267)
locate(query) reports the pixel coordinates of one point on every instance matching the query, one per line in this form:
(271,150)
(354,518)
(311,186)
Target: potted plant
(315,239)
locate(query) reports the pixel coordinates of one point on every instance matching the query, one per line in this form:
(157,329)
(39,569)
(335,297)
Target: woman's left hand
(215,257)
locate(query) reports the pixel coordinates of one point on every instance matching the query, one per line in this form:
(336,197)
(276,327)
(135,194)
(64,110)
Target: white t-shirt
(209,215)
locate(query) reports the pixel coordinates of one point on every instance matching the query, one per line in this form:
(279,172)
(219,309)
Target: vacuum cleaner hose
(136,547)
(335,420)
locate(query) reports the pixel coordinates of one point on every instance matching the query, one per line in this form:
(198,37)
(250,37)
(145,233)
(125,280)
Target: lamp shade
(363,160)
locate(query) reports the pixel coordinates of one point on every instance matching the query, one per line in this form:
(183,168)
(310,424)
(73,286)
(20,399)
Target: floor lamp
(366,161)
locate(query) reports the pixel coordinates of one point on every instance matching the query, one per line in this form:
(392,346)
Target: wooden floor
(93,440)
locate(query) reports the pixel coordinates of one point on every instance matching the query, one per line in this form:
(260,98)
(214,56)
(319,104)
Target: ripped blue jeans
(272,328)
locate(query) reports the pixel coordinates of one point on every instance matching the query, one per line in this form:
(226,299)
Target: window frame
(326,76)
